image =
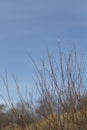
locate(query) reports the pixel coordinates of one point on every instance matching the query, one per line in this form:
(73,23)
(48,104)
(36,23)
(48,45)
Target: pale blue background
(32,26)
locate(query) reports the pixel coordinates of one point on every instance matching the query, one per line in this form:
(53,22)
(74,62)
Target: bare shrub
(62,97)
(61,89)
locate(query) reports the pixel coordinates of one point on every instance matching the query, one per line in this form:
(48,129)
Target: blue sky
(32,26)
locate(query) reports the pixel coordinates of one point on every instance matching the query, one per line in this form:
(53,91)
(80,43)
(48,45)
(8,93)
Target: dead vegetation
(62,96)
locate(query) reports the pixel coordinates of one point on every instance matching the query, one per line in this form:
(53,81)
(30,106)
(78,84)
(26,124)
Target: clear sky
(32,26)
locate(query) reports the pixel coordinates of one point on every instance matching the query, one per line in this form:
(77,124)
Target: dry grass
(64,122)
